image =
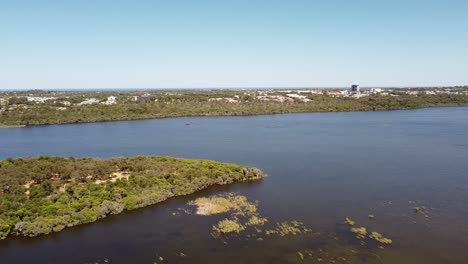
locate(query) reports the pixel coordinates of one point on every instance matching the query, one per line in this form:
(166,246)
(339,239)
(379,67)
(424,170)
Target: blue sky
(232,43)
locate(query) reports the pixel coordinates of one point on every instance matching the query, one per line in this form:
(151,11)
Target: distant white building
(89,101)
(110,100)
(226,99)
(359,95)
(142,99)
(376,90)
(297,96)
(38,99)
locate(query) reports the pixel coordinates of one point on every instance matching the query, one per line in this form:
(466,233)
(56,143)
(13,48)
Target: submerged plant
(349,221)
(228,226)
(288,228)
(212,205)
(360,232)
(237,204)
(256,221)
(243,214)
(301,255)
(379,238)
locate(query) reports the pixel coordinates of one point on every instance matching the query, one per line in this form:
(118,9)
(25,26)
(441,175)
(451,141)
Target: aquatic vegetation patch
(256,221)
(333,254)
(349,221)
(181,211)
(288,228)
(212,206)
(243,214)
(422,211)
(379,238)
(360,232)
(301,255)
(236,204)
(228,226)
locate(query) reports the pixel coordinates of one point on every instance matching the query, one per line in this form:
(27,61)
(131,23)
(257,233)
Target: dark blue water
(322,168)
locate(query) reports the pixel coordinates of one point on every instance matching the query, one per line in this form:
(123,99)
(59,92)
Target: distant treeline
(199,104)
(47,194)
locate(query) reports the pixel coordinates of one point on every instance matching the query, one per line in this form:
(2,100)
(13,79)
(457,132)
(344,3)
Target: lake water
(322,168)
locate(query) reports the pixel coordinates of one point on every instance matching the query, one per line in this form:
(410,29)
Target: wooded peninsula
(40,195)
(29,108)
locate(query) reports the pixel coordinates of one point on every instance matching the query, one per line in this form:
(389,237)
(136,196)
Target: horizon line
(226,88)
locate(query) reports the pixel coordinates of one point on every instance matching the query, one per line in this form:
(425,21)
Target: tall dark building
(355,88)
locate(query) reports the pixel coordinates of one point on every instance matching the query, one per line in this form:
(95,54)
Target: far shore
(11,126)
(23,109)
(223,115)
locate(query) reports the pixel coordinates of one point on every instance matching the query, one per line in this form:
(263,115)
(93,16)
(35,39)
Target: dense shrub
(43,195)
(198,104)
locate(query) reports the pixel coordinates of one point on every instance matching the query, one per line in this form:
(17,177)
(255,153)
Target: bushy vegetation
(198,103)
(41,195)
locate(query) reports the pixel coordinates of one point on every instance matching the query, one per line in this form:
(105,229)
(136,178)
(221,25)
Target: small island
(41,195)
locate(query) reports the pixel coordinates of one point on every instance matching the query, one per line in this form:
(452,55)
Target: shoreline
(12,126)
(231,115)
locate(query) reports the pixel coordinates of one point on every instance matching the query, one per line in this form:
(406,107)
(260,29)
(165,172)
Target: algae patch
(256,221)
(349,221)
(301,255)
(360,232)
(379,238)
(288,228)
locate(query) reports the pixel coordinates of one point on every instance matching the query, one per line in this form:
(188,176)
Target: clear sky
(232,43)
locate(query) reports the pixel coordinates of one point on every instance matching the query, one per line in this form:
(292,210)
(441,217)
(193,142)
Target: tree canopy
(41,195)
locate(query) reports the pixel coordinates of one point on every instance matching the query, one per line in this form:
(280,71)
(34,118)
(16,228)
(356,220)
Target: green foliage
(46,194)
(197,103)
